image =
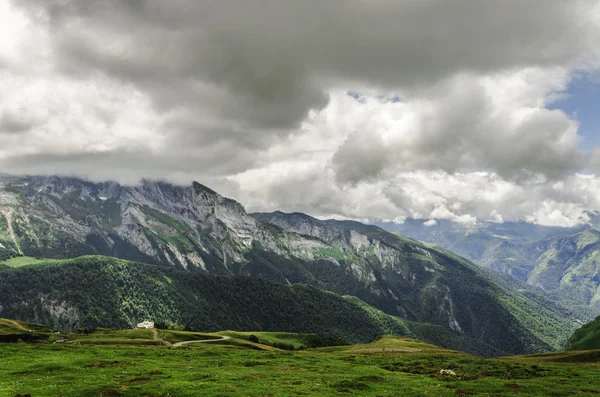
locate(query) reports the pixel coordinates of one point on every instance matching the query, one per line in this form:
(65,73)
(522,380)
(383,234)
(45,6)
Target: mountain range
(193,232)
(563,262)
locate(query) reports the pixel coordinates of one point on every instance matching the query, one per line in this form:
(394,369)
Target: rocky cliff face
(195,229)
(189,227)
(424,279)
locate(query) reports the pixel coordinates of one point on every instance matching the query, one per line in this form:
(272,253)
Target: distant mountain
(565,262)
(195,229)
(424,277)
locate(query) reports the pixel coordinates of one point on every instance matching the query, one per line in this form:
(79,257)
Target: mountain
(94,291)
(586,337)
(424,278)
(194,229)
(564,262)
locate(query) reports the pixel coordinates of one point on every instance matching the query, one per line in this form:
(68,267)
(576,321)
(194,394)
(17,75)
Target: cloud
(468,122)
(427,195)
(266,63)
(595,160)
(449,118)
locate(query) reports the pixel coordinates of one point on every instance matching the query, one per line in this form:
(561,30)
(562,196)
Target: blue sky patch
(583,104)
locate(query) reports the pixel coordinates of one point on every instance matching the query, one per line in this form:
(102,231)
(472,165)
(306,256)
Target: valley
(178,252)
(299,198)
(564,262)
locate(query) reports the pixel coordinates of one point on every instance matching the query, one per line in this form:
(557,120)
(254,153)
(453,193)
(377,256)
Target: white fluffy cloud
(497,122)
(448,115)
(428,195)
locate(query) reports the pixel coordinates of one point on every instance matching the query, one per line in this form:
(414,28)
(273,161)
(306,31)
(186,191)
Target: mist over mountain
(194,229)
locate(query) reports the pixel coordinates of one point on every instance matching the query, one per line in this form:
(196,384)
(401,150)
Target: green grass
(586,337)
(8,327)
(165,219)
(582,356)
(183,336)
(19,261)
(427,259)
(388,367)
(275,338)
(100,335)
(14,331)
(330,253)
(121,334)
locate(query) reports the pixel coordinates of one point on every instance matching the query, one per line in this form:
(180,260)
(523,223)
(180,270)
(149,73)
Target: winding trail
(179,344)
(222,338)
(18,326)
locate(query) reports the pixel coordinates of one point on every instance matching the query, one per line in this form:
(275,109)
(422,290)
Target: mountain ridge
(564,262)
(193,228)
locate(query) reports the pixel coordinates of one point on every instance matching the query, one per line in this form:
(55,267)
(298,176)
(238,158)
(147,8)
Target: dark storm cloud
(15,121)
(270,61)
(127,165)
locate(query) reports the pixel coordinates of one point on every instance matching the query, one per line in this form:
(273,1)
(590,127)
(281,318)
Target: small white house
(146,324)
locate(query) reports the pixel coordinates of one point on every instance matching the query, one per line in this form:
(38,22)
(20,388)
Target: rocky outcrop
(195,229)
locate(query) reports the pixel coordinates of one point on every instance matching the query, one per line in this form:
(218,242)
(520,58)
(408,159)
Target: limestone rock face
(195,229)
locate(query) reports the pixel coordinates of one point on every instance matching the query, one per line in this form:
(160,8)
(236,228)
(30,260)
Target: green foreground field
(139,363)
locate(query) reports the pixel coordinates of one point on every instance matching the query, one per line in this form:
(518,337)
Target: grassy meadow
(19,261)
(141,363)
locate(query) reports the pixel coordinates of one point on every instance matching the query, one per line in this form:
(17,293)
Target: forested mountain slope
(95,291)
(586,337)
(475,301)
(195,229)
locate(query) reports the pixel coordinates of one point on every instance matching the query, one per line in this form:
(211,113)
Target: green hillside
(192,229)
(90,292)
(13,331)
(586,337)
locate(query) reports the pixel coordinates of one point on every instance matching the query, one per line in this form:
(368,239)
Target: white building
(146,324)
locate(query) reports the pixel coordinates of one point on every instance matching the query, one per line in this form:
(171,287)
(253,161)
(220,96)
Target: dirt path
(157,338)
(17,325)
(386,349)
(222,338)
(179,344)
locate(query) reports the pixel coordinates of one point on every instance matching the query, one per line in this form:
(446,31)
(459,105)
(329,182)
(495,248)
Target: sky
(582,102)
(354,109)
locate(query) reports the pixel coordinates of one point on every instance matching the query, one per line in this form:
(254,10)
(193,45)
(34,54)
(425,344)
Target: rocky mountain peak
(196,229)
